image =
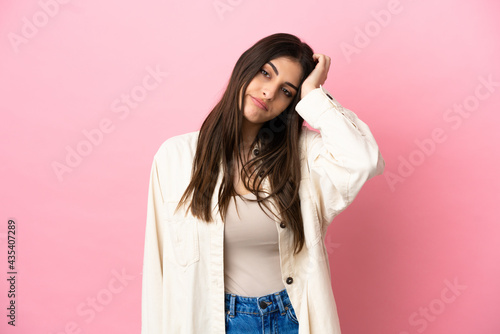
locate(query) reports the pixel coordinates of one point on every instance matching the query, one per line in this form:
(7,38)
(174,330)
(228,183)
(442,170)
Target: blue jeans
(268,314)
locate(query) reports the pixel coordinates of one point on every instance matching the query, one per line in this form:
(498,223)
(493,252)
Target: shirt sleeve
(152,274)
(341,157)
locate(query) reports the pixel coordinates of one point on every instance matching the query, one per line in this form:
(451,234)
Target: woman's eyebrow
(277,73)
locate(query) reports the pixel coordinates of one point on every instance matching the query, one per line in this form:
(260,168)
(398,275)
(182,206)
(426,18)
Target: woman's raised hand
(318,75)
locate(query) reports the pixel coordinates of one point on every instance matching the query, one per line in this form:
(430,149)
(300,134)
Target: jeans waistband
(278,301)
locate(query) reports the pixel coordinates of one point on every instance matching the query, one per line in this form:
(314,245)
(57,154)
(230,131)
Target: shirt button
(256,151)
(282,225)
(289,280)
(329,96)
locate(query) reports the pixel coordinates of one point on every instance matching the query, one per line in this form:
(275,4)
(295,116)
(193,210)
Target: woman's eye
(287,92)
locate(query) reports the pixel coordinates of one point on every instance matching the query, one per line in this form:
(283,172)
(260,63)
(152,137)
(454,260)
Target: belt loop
(231,306)
(280,303)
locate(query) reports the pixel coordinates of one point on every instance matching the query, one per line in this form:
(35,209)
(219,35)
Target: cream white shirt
(183,268)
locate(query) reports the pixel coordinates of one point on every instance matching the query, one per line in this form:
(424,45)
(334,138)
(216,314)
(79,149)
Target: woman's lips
(259,103)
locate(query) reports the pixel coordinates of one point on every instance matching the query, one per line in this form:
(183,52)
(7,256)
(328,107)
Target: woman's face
(271,90)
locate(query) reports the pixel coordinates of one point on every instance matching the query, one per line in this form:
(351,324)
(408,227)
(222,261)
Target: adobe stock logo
(454,116)
(95,136)
(224,6)
(430,312)
(30,28)
(373,28)
(96,304)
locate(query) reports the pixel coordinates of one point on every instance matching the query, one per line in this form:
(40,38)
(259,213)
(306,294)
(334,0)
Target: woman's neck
(248,133)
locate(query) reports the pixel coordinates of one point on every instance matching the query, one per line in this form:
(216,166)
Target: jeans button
(263,304)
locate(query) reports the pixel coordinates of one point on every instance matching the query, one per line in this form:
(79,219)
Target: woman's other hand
(318,75)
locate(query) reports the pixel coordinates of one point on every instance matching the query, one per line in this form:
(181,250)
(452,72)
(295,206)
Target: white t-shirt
(251,250)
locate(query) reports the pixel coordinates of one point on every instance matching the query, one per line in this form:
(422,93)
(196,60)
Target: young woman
(238,211)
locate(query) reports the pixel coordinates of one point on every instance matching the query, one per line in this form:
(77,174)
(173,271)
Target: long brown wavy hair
(220,143)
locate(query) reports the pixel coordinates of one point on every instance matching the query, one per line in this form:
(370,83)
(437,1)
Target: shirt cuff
(315,103)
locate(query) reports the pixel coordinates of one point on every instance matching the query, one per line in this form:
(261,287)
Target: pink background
(428,223)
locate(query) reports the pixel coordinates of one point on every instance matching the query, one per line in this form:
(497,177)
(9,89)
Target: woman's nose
(269,91)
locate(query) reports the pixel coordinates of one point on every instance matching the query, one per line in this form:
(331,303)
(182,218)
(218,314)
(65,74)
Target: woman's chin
(253,117)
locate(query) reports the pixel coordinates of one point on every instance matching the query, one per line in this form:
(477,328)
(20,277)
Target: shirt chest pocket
(182,248)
